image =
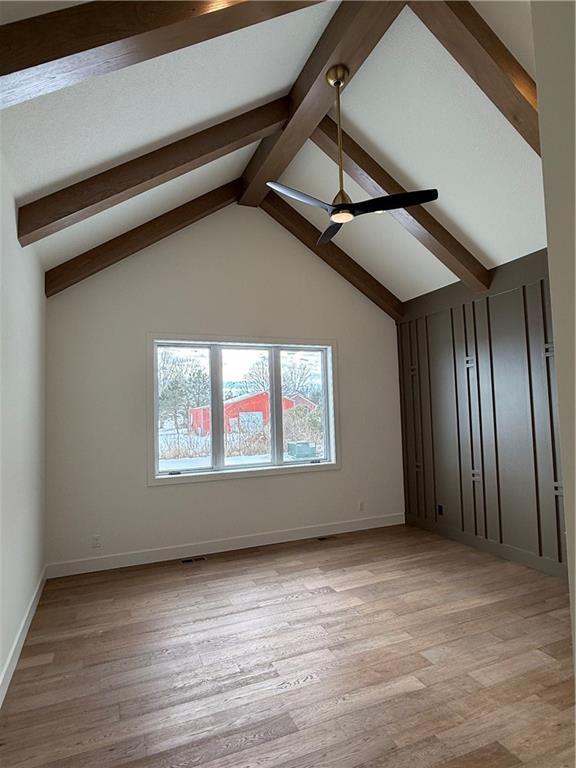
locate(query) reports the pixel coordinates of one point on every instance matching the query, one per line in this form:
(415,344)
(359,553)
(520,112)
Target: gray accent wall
(479,416)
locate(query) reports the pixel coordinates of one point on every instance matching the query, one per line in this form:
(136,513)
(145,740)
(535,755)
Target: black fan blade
(301,196)
(390,202)
(328,233)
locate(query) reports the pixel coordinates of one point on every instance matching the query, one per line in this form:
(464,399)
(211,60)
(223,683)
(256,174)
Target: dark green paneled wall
(479,416)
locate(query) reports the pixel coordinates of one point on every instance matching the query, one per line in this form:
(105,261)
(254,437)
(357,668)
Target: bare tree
(258,377)
(296,378)
(183,383)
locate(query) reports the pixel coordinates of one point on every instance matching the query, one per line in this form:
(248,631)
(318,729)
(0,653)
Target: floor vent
(193,559)
(325,538)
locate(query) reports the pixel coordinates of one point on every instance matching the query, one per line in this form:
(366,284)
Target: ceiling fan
(342,209)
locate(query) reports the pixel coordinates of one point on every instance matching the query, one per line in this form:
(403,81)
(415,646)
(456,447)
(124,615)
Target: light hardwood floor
(384,649)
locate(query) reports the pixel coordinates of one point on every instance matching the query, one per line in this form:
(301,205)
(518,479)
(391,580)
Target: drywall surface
(236,273)
(553,24)
(21,434)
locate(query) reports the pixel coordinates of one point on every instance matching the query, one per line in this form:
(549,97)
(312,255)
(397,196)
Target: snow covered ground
(186,465)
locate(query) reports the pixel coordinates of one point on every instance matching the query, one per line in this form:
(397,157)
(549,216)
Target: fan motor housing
(337,75)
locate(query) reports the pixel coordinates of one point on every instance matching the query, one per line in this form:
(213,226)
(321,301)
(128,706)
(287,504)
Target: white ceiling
(377,242)
(512,22)
(16,10)
(69,134)
(66,244)
(416,111)
(411,106)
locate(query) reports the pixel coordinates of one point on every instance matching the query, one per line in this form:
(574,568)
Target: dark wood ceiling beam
(334,256)
(366,172)
(79,201)
(351,35)
(55,50)
(108,253)
(467,37)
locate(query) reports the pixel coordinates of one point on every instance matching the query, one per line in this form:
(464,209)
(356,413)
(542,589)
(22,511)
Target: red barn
(246,413)
(301,400)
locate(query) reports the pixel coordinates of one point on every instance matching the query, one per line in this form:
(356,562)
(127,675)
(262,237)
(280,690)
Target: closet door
(411,418)
(515,438)
(554,539)
(426,431)
(486,422)
(408,422)
(480,423)
(444,406)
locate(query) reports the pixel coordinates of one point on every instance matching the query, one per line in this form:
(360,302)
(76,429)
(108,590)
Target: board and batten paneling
(479,414)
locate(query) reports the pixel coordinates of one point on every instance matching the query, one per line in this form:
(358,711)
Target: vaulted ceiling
(414,118)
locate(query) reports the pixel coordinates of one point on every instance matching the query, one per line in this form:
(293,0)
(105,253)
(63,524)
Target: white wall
(553,24)
(22,306)
(235,273)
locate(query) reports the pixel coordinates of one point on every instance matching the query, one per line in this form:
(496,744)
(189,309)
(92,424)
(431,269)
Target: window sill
(229,474)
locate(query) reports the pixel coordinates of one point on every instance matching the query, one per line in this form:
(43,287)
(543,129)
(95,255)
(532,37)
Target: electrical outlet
(96,542)
(361,506)
(440,509)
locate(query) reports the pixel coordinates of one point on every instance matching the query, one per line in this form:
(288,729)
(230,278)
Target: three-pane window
(222,407)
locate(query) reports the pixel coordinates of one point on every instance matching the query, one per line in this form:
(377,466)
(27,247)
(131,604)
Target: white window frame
(218,470)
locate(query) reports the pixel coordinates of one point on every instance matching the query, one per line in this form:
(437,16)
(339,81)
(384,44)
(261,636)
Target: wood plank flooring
(392,648)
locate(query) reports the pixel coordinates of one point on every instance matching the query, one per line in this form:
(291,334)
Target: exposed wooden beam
(465,34)
(55,50)
(353,32)
(366,172)
(334,256)
(79,201)
(97,259)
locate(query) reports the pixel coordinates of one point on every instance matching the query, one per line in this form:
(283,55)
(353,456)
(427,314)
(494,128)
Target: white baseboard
(107,562)
(141,557)
(14,655)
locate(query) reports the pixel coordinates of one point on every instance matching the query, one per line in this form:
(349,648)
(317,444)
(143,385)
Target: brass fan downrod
(342,209)
(336,77)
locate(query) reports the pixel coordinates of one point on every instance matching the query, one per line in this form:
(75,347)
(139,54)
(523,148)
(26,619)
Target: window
(223,407)
(246,406)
